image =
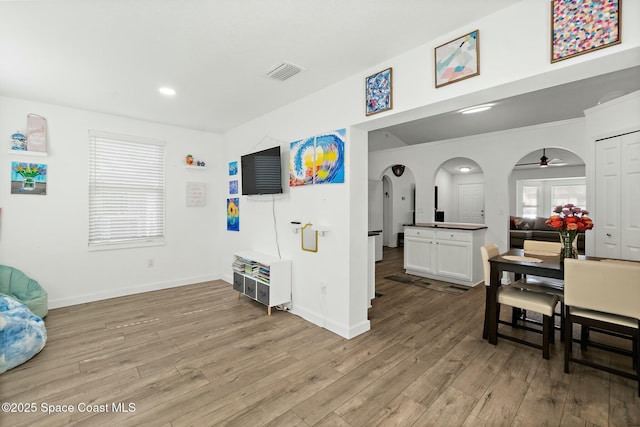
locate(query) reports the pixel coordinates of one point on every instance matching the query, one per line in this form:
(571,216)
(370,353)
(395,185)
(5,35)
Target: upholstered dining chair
(538,302)
(606,296)
(536,247)
(544,284)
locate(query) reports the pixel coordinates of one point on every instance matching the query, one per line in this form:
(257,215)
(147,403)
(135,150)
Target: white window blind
(126,190)
(530,201)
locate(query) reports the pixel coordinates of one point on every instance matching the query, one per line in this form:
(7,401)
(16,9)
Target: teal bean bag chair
(22,333)
(16,284)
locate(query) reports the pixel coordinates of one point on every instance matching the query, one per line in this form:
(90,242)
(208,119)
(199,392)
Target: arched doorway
(391,204)
(540,181)
(459,192)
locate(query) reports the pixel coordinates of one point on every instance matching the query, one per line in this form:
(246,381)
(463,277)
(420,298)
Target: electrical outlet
(150,262)
(323,288)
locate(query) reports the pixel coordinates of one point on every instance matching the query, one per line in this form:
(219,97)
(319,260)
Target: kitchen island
(445,251)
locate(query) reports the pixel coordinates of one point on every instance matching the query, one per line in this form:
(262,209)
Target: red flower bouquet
(568,220)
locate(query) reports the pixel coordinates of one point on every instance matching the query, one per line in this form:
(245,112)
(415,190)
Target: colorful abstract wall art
(330,158)
(233,214)
(233,187)
(458,59)
(317,160)
(579,26)
(378,91)
(233,168)
(302,162)
(28,178)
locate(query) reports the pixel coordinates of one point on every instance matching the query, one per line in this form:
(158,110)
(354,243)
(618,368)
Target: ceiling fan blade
(557,162)
(527,164)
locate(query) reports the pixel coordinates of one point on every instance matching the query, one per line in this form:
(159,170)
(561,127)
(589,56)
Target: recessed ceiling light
(476,109)
(465,169)
(167,91)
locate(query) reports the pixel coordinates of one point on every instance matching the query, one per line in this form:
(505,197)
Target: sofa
(522,229)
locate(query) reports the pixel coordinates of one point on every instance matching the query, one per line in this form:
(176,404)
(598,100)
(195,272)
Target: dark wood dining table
(550,266)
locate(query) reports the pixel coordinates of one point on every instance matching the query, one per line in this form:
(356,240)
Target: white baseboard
(114,293)
(336,328)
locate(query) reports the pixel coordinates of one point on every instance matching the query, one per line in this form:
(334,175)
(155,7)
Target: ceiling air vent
(283,71)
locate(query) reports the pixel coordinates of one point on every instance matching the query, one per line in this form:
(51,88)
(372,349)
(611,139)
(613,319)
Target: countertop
(452,226)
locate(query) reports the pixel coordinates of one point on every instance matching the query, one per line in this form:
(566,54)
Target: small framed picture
(379,96)
(458,59)
(579,26)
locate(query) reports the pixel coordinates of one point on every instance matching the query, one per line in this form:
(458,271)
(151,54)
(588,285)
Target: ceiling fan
(545,161)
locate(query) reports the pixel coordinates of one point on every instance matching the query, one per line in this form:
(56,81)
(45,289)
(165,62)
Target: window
(126,191)
(530,197)
(563,194)
(538,197)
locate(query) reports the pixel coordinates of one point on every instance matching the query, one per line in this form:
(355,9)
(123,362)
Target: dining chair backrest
(488,251)
(542,248)
(607,287)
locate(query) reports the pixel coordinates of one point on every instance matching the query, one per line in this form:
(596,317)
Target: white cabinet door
(630,197)
(418,254)
(617,228)
(454,259)
(607,228)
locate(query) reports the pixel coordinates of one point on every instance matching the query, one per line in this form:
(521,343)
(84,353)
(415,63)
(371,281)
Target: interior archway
(459,192)
(538,182)
(391,204)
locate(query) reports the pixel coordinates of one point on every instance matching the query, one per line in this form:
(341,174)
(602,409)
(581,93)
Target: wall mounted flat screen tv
(262,172)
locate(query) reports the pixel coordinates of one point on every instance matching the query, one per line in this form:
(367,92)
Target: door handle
(608,234)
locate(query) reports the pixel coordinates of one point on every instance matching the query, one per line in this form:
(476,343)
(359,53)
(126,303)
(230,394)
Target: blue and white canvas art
(378,92)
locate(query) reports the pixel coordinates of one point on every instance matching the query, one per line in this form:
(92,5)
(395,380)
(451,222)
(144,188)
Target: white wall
(46,236)
(507,70)
(482,149)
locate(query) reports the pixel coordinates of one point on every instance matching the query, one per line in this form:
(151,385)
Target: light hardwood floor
(198,355)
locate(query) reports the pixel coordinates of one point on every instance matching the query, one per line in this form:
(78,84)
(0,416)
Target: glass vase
(569,244)
(29,184)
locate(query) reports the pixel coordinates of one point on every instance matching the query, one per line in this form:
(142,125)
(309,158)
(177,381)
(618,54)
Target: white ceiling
(557,157)
(557,103)
(112,55)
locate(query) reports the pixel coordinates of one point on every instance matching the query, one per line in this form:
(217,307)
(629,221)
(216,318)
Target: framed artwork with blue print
(458,59)
(379,96)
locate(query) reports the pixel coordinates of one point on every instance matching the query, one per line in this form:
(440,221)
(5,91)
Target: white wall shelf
(28,153)
(195,167)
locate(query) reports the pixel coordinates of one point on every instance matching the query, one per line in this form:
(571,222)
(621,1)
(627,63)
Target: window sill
(129,245)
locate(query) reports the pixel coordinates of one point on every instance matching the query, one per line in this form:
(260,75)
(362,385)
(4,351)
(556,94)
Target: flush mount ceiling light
(167,91)
(476,109)
(465,169)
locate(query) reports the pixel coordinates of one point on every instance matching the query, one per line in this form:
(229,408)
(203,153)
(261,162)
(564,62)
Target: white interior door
(607,232)
(471,203)
(630,197)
